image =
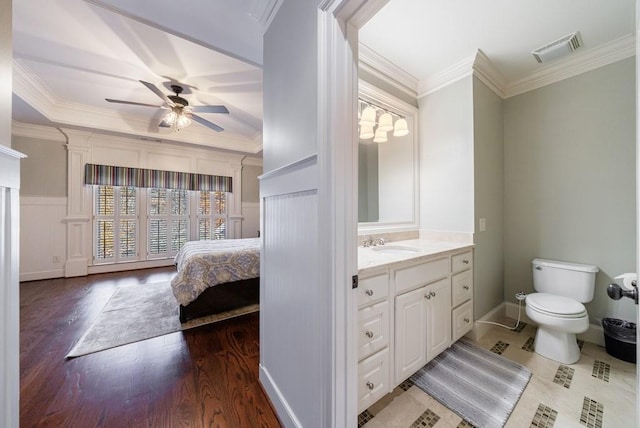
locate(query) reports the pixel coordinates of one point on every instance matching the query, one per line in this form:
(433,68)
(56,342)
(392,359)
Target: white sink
(395,249)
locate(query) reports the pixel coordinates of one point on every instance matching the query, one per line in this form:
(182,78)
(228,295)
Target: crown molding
(38,132)
(578,63)
(484,70)
(446,77)
(28,86)
(480,66)
(264,11)
(377,65)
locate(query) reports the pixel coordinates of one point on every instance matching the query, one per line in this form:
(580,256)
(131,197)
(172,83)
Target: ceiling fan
(180,112)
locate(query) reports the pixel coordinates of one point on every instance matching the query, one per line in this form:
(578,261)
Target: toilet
(557,307)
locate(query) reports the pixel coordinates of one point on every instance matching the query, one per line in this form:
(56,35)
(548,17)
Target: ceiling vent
(558,48)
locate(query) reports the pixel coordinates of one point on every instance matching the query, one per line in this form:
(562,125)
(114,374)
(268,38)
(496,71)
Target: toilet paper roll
(627,278)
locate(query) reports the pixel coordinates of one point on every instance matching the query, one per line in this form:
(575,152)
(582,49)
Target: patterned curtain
(139,177)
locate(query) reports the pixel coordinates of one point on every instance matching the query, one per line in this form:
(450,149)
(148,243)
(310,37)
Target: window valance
(138,177)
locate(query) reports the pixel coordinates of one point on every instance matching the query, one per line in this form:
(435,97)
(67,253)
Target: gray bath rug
(478,385)
(140,312)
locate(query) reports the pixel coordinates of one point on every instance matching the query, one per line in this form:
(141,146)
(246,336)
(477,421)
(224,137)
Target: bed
(216,276)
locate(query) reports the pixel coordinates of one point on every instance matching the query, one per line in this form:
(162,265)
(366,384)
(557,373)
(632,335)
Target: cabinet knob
(370,385)
(369,292)
(466,320)
(433,294)
(466,287)
(369,334)
(465,261)
(427,296)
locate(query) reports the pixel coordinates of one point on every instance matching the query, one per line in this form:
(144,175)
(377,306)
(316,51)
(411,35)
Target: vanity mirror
(387,167)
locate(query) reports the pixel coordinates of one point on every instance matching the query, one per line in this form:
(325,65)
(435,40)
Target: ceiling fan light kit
(180,114)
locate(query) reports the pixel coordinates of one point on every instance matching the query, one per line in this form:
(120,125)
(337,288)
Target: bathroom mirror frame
(375,95)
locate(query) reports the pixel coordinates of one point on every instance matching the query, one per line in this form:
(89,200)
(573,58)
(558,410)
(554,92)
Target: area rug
(141,312)
(478,385)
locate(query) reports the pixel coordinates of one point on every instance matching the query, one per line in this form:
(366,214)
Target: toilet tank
(574,280)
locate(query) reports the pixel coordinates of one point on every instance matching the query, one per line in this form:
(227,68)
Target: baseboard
(283,410)
(595,334)
(45,274)
(480,329)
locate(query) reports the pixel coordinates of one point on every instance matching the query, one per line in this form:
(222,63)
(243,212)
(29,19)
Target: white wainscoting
(294,342)
(43,238)
(250,219)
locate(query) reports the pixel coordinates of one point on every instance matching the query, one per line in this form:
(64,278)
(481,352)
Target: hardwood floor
(203,377)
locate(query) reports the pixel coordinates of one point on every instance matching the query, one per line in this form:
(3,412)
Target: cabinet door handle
(369,334)
(466,320)
(370,385)
(369,292)
(465,261)
(466,287)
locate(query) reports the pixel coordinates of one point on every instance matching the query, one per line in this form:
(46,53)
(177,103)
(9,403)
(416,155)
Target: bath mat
(137,313)
(478,385)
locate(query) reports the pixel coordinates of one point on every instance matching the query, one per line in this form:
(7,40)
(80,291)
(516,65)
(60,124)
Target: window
(172,217)
(212,215)
(115,223)
(168,221)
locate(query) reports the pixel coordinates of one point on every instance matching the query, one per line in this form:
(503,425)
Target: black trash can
(620,338)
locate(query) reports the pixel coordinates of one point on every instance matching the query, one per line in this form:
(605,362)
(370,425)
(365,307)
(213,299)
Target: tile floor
(598,391)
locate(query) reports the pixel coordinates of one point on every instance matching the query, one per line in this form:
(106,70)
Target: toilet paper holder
(616,292)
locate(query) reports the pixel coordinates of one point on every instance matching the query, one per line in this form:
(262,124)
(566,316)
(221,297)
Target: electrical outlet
(482,224)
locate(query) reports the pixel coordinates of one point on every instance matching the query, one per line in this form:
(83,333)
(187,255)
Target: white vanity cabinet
(422,316)
(409,311)
(461,294)
(373,334)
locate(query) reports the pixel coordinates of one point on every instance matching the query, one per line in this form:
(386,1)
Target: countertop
(370,258)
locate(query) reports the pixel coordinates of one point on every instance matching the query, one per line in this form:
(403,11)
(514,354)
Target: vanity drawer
(418,275)
(373,289)
(461,287)
(460,262)
(373,329)
(373,379)
(461,320)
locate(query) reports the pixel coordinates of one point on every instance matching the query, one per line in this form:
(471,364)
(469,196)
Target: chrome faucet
(367,242)
(380,241)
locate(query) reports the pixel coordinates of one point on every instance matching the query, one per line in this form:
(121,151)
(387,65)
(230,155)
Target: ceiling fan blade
(131,102)
(206,123)
(153,88)
(164,124)
(210,109)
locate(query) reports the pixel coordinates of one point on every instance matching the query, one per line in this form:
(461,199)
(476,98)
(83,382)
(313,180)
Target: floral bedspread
(203,264)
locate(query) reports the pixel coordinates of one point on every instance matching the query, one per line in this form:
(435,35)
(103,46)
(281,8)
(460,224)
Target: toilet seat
(556,306)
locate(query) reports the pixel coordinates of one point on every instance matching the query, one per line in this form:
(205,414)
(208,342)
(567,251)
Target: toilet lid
(556,305)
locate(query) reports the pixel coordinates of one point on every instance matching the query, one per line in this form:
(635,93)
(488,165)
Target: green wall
(570,179)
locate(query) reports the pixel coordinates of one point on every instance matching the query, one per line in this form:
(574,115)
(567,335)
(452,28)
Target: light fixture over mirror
(375,122)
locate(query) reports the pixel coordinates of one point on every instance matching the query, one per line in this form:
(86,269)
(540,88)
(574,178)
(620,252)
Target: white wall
(43,237)
(570,180)
(291,93)
(446,158)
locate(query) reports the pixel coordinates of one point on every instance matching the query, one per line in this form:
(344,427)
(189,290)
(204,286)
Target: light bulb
(366,132)
(400,128)
(385,123)
(380,137)
(368,117)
